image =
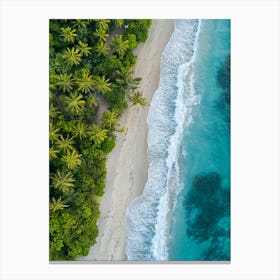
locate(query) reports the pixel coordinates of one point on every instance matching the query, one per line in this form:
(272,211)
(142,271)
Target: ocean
(184,211)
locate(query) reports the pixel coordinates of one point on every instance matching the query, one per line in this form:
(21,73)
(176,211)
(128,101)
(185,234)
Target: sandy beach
(127,164)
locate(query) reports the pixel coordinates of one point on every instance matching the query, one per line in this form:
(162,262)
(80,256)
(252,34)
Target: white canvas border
(254,150)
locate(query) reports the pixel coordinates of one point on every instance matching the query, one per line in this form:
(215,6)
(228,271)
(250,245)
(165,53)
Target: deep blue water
(184,212)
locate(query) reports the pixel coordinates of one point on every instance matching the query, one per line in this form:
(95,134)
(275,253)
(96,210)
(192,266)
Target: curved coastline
(127,164)
(149,215)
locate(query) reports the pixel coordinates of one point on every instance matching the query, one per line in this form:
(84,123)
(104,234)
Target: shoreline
(126,176)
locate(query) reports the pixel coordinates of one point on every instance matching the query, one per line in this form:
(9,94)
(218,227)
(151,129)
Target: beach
(127,164)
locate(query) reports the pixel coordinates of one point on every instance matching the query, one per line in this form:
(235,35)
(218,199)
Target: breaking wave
(149,217)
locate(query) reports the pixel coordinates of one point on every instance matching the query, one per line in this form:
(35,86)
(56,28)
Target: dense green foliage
(87,58)
(139,28)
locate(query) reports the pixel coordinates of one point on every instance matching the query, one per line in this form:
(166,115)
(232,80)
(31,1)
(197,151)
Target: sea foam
(149,216)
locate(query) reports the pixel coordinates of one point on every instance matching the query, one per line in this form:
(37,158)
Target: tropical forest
(91,84)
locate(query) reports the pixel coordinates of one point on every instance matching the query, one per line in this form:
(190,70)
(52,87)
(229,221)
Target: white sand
(127,165)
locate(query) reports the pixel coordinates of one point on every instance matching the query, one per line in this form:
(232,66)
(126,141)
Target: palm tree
(102,85)
(102,24)
(65,82)
(80,23)
(56,205)
(80,130)
(53,111)
(72,56)
(63,181)
(72,159)
(101,49)
(92,100)
(51,95)
(110,119)
(75,103)
(97,134)
(53,132)
(137,98)
(84,48)
(101,34)
(119,46)
(53,153)
(85,83)
(119,22)
(52,85)
(125,79)
(68,34)
(65,144)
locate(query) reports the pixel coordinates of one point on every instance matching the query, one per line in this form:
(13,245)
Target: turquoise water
(203,203)
(184,212)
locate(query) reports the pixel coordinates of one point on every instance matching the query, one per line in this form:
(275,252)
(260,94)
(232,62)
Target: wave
(149,216)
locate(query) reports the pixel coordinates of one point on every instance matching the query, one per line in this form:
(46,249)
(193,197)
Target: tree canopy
(87,59)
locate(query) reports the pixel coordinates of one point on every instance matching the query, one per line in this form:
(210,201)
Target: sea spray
(149,216)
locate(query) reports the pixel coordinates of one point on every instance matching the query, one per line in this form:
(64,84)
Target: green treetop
(63,181)
(75,103)
(68,34)
(102,85)
(72,56)
(118,45)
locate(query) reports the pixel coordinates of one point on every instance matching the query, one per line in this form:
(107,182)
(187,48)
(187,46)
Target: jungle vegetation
(90,61)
